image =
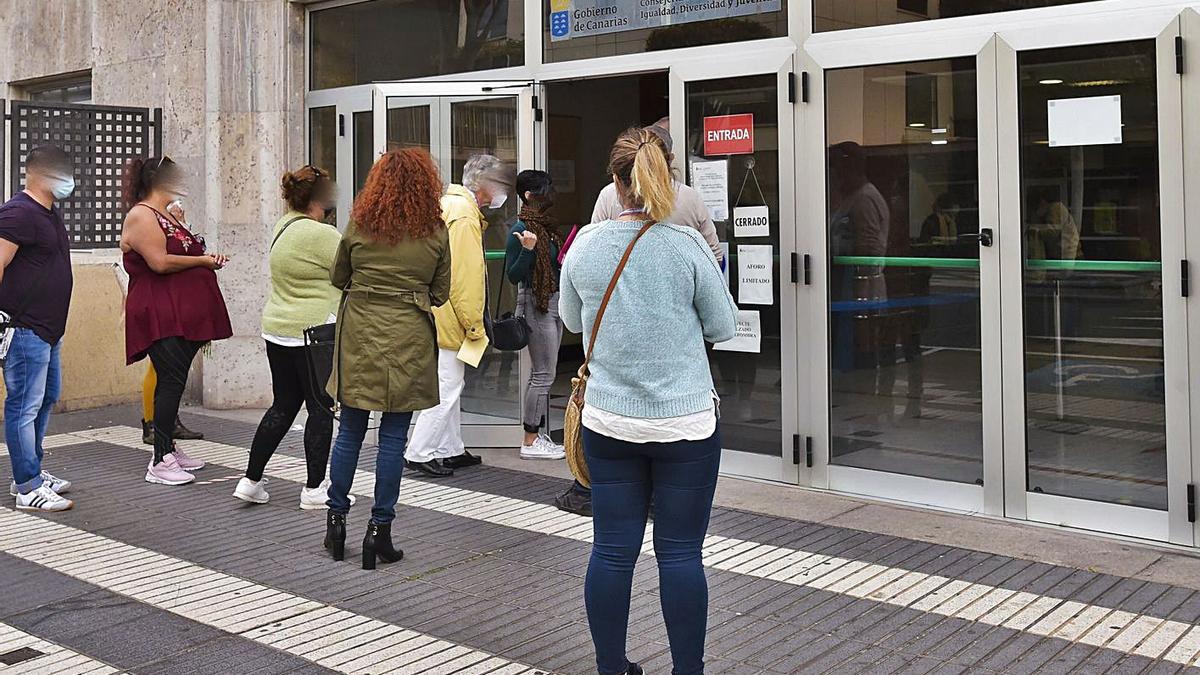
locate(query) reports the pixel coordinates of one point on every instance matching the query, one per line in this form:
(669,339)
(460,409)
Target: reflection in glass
(489,126)
(408,126)
(399,39)
(1095,407)
(322,141)
(694,34)
(364,148)
(749,385)
(903,181)
(842,14)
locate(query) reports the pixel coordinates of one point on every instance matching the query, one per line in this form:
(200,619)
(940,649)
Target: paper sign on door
(1091,120)
(748,337)
(756,275)
(711,180)
(751,221)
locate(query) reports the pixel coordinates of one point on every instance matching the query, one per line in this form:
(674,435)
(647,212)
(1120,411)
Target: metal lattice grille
(101,140)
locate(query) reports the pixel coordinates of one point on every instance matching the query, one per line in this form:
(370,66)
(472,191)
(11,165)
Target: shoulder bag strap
(282,230)
(612,286)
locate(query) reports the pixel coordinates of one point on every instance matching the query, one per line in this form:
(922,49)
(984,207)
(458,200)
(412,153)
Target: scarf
(544,283)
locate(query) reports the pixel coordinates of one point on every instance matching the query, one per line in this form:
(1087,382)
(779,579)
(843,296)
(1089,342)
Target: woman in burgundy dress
(174,306)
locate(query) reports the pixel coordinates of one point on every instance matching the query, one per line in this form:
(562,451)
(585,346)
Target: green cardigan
(301,295)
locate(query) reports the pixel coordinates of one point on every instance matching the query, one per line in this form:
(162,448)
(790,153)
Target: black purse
(509,333)
(319,342)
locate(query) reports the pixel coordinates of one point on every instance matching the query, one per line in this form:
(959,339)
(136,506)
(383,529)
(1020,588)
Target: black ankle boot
(335,535)
(183,433)
(148,432)
(378,545)
(634,669)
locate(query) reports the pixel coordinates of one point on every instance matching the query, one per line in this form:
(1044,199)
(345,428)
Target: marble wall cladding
(42,38)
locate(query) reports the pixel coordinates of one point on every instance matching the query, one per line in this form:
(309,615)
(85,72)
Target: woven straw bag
(573,417)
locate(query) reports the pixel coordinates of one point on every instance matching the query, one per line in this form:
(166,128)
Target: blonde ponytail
(639,161)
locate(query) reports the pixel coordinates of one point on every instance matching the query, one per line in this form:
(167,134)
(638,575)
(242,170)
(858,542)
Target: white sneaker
(543,448)
(312,499)
(168,472)
(250,491)
(43,499)
(59,485)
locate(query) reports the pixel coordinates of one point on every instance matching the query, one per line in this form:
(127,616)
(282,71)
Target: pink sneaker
(168,472)
(186,462)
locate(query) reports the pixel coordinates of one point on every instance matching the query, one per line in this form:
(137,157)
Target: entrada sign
(729,135)
(581,18)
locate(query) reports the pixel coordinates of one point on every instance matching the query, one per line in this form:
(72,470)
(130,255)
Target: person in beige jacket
(436,447)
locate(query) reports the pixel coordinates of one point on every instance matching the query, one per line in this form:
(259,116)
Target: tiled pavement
(148,579)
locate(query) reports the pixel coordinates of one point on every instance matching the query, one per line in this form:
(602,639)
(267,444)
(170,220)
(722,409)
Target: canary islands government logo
(560,19)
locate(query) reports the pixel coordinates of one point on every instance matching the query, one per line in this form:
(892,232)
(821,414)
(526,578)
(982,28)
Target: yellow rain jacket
(461,318)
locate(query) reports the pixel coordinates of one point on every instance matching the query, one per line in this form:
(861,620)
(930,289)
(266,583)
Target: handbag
(509,333)
(573,417)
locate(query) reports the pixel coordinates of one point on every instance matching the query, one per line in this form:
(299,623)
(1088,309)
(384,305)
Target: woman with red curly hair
(393,266)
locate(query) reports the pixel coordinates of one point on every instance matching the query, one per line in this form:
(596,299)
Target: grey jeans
(545,336)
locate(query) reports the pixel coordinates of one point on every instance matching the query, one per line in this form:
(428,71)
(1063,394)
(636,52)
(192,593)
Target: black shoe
(377,545)
(462,461)
(574,502)
(430,468)
(183,433)
(148,432)
(335,535)
(634,669)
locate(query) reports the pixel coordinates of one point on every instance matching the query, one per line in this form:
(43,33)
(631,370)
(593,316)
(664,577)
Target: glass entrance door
(748,186)
(455,121)
(1095,332)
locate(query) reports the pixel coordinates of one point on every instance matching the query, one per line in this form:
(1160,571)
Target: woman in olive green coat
(393,265)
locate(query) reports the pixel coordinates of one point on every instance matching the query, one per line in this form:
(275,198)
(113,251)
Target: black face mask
(329,211)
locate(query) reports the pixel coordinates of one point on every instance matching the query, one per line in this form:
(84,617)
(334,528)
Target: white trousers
(438,431)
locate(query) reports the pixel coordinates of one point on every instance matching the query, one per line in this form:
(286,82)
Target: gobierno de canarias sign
(581,18)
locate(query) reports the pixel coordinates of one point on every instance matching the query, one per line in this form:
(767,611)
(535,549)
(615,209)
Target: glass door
(732,126)
(911,389)
(455,121)
(1095,338)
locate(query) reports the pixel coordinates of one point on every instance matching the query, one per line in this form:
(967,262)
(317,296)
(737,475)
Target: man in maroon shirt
(35,294)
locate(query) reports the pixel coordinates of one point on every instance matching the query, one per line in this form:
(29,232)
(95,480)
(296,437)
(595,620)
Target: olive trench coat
(385,357)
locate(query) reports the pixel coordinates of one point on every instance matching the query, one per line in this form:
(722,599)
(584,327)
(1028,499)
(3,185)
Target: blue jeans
(681,477)
(33,380)
(389,461)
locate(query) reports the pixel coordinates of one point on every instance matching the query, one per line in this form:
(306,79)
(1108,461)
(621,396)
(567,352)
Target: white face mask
(62,186)
(498,201)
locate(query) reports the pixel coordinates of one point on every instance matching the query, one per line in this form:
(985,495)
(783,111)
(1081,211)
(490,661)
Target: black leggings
(292,387)
(172,359)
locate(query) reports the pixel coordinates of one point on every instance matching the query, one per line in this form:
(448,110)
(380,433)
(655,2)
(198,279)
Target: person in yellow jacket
(436,447)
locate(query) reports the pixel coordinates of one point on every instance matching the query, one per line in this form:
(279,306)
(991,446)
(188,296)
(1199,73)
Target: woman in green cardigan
(300,259)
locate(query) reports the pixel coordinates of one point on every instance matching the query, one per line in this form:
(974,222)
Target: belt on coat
(392,296)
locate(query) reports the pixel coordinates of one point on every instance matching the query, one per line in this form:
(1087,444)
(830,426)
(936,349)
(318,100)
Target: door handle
(985,237)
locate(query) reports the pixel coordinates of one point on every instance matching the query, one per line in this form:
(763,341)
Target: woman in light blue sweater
(650,412)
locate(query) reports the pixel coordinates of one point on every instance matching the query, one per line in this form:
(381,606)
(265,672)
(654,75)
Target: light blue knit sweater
(649,360)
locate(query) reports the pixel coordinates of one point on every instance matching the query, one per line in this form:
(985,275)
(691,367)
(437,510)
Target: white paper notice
(756,275)
(751,221)
(748,337)
(1095,120)
(711,180)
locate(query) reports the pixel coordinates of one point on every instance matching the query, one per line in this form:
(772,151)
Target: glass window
(748,383)
(72,89)
(842,14)
(903,189)
(322,141)
(1094,362)
(584,29)
(399,39)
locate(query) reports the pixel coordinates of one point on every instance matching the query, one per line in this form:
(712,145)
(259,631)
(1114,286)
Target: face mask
(62,187)
(498,201)
(329,210)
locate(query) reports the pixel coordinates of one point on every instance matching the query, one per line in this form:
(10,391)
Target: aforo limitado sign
(729,135)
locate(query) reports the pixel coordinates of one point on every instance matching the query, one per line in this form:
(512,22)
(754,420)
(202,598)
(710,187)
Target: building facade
(957,230)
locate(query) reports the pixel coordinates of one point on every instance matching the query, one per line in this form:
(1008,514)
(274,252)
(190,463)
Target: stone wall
(229,77)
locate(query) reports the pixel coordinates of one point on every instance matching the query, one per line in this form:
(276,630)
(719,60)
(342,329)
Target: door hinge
(1179,60)
(796,449)
(808,451)
(1185,280)
(537,110)
(807,270)
(341,126)
(791,87)
(1191,502)
(804,86)
(795,267)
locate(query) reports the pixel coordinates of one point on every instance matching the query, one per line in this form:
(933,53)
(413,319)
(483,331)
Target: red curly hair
(402,197)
